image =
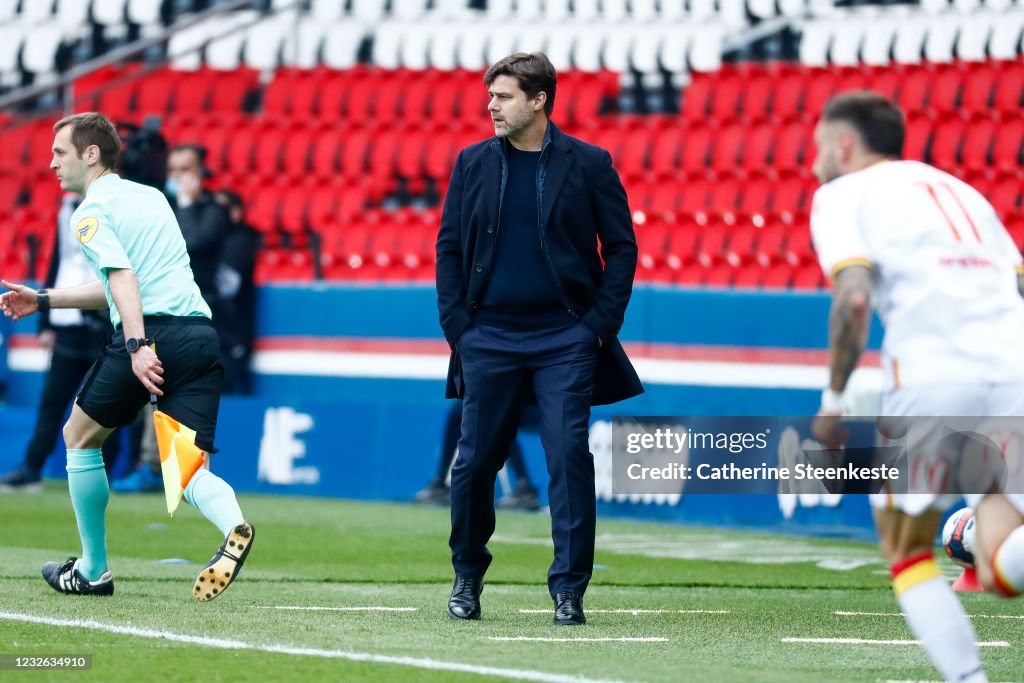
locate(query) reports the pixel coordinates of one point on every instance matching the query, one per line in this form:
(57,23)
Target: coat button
(490,229)
(479,267)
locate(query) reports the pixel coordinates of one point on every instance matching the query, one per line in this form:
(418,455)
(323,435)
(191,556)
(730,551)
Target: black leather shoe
(569,609)
(465,600)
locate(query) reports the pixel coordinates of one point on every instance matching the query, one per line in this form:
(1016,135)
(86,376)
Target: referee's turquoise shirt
(121,224)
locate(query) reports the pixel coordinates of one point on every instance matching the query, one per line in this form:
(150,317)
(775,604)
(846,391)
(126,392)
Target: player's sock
(1008,564)
(90,493)
(215,498)
(937,618)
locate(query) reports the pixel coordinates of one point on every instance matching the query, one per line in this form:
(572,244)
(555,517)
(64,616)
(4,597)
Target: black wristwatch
(43,300)
(136,343)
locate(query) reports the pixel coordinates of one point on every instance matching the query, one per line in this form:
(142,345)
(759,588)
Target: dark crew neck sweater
(521,291)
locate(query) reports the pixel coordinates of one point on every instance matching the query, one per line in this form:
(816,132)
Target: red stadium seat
(756,195)
(696,147)
(945,95)
(1010,89)
(155,90)
(696,99)
(292,216)
(977,143)
(728,144)
(652,242)
(886,81)
(778,276)
(278,93)
(919,134)
(268,150)
(726,96)
(387,100)
(665,196)
(439,155)
(192,91)
(665,151)
(914,90)
(326,154)
(946,143)
(978,86)
(1005,197)
(359,103)
(808,276)
(748,276)
(789,95)
(790,147)
(295,160)
(1007,144)
(410,155)
(694,195)
(757,94)
(632,160)
(819,89)
(356,146)
(758,148)
(719,274)
(231,88)
(238,156)
(725,195)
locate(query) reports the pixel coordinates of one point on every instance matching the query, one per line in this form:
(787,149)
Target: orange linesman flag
(180,458)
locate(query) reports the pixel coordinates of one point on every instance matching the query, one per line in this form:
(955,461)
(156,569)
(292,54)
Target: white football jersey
(945,271)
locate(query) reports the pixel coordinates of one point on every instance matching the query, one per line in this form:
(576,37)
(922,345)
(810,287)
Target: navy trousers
(499,369)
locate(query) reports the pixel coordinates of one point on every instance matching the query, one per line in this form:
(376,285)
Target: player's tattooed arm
(849,321)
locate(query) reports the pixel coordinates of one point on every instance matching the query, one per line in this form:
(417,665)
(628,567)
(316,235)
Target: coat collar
(556,154)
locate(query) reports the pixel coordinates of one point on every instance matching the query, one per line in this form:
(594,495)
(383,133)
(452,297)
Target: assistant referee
(132,241)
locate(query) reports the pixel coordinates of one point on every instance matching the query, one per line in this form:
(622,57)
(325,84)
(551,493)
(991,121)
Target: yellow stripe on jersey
(846,263)
(915,574)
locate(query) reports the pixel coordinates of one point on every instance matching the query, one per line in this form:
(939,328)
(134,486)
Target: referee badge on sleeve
(86,228)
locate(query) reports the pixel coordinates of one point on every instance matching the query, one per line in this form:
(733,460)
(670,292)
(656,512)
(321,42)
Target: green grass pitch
(667,603)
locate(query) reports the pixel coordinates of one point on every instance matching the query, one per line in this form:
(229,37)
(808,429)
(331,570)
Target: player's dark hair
(91,128)
(199,151)
(876,118)
(534,72)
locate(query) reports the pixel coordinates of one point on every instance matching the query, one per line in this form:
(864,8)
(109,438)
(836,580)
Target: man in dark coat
(530,312)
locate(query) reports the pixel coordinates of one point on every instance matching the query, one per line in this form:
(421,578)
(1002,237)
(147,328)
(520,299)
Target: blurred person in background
(74,338)
(204,222)
(523,495)
(235,315)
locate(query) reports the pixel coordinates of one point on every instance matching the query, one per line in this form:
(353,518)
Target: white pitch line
(651,639)
(314,608)
(915,680)
(227,644)
(865,641)
(841,613)
(636,611)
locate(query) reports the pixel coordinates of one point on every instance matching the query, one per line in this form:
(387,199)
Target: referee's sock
(90,492)
(215,498)
(1008,564)
(936,617)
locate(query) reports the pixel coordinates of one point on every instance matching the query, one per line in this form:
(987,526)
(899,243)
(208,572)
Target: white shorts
(936,469)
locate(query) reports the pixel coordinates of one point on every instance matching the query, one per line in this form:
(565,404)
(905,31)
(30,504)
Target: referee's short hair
(534,72)
(92,128)
(875,117)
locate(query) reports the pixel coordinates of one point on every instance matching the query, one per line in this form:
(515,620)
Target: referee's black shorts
(189,351)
